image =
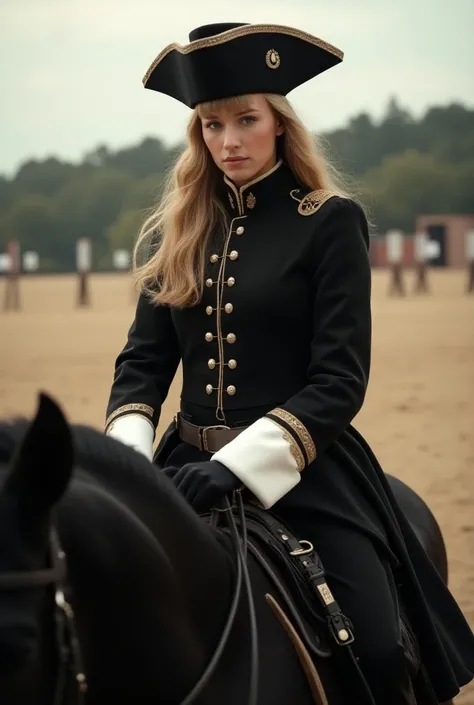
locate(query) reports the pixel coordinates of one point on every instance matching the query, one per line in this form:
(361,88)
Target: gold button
(209,282)
(214,258)
(208,388)
(234,255)
(343,634)
(230,281)
(209,310)
(211,364)
(209,337)
(231,338)
(240,230)
(232,364)
(231,390)
(228,308)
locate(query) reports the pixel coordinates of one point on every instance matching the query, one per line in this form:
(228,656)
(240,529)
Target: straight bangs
(235,104)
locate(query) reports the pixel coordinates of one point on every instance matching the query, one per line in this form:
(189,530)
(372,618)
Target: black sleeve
(146,366)
(341,331)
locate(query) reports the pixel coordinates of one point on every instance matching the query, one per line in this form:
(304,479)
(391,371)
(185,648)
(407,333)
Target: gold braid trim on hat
(237,32)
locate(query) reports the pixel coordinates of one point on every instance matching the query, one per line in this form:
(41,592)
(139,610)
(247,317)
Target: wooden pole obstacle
(83,268)
(470,261)
(394,249)
(11,262)
(422,254)
(121,260)
(31,261)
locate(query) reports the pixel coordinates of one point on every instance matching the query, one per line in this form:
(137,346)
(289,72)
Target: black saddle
(297,574)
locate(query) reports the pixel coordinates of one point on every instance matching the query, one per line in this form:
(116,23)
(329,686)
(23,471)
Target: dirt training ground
(418,415)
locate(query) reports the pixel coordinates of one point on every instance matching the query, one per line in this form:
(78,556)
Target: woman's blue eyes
(246,119)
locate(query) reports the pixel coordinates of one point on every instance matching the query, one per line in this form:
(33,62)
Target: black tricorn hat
(231,59)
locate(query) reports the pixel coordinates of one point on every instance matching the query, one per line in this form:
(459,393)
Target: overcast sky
(71,70)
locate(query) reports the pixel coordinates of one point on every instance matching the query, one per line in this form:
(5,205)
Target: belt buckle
(203,431)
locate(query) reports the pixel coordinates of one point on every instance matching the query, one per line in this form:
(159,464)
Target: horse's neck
(142,590)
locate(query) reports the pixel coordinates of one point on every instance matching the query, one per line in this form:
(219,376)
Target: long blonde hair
(175,235)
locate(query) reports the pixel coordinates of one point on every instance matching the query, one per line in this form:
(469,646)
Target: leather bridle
(70,664)
(67,643)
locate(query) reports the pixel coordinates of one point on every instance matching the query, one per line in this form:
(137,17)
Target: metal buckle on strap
(339,626)
(302,551)
(204,430)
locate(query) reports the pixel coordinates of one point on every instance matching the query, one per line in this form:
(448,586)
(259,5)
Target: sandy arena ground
(418,415)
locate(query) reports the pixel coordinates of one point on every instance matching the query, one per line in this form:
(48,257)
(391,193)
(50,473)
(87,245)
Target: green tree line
(401,167)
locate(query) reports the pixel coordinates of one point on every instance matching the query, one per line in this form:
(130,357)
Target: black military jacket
(283,330)
(283,326)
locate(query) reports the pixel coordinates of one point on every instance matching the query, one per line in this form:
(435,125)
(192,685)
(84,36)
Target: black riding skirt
(346,508)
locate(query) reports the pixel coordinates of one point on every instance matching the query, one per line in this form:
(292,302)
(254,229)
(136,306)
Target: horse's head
(31,483)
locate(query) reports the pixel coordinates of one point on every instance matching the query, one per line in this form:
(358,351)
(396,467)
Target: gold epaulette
(313,201)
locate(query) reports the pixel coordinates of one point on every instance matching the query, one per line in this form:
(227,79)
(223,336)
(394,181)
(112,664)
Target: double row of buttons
(228,308)
(230,337)
(229,282)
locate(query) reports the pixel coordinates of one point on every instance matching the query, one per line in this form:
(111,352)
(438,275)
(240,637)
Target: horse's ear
(42,464)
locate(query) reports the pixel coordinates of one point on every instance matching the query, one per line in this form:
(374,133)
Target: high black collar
(261,193)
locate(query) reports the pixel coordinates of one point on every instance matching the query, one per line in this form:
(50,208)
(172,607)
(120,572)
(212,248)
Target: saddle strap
(310,637)
(339,625)
(305,561)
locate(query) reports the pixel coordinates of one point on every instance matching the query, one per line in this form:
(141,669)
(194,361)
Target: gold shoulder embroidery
(313,201)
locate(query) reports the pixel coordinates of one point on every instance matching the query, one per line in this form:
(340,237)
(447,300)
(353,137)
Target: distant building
(449,231)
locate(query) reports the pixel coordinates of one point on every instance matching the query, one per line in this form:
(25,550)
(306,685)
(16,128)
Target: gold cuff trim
(295,450)
(300,430)
(232,34)
(112,423)
(313,201)
(143,409)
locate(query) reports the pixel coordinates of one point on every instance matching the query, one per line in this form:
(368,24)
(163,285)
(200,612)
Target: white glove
(135,431)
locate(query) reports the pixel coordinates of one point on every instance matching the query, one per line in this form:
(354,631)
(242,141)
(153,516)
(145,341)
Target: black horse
(149,586)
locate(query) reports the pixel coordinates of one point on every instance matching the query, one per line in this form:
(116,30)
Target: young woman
(258,282)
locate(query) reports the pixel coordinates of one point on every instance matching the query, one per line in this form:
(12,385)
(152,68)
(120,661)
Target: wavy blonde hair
(175,235)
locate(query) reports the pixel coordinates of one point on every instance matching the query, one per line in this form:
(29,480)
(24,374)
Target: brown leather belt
(210,438)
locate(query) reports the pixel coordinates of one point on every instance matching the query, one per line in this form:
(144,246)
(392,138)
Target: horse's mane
(95,453)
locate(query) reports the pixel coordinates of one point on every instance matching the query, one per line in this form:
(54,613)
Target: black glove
(203,484)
